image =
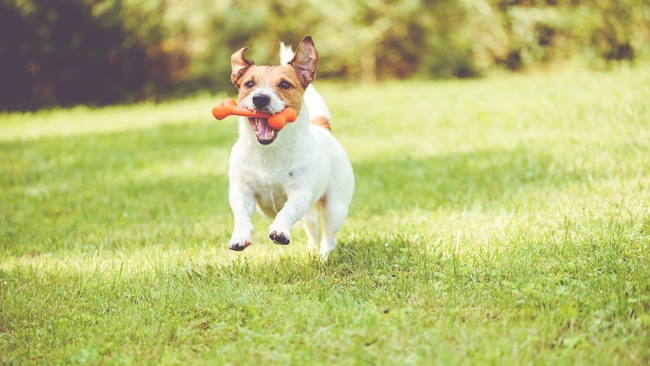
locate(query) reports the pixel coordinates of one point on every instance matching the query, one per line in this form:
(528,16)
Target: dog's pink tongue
(264,131)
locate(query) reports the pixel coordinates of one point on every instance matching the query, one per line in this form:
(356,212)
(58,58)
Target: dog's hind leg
(310,223)
(334,214)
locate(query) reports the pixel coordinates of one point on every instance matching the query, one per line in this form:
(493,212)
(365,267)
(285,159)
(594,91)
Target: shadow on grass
(86,188)
(352,260)
(492,177)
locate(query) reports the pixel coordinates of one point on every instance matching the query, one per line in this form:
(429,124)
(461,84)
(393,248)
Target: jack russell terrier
(292,174)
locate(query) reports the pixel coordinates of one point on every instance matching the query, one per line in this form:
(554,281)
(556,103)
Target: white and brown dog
(294,173)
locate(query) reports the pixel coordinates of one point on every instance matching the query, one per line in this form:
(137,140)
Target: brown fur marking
(239,64)
(270,77)
(321,121)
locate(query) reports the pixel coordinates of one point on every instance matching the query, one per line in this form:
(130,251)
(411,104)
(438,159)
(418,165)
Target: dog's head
(270,89)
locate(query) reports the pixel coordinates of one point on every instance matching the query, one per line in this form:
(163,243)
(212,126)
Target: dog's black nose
(261,100)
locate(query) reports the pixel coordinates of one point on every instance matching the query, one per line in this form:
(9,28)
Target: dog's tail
(319,113)
(286,54)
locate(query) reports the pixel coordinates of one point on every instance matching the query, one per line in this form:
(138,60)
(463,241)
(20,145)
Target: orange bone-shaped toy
(229,108)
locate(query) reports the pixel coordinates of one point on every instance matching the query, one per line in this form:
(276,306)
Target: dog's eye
(284,85)
(249,84)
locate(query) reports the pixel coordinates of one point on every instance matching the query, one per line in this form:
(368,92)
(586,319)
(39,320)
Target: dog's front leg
(242,203)
(294,209)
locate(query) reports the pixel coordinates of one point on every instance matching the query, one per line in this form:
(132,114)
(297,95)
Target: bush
(66,52)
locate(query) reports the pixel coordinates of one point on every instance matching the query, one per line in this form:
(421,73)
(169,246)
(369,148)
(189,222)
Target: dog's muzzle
(261,101)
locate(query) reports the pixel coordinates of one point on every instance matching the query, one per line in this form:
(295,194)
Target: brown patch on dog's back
(321,121)
(271,77)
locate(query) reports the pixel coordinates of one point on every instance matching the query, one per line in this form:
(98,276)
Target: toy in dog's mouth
(265,133)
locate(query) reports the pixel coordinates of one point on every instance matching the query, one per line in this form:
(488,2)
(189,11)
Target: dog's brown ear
(239,65)
(305,62)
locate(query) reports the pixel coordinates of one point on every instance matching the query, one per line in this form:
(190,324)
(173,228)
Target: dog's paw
(324,254)
(279,236)
(312,245)
(239,244)
(326,247)
(241,238)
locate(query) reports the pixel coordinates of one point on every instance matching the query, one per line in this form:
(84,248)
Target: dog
(297,172)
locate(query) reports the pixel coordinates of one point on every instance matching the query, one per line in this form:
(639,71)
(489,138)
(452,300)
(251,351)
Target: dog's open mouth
(265,133)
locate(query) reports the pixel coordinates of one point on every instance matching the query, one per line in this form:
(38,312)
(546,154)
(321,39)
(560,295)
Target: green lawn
(498,221)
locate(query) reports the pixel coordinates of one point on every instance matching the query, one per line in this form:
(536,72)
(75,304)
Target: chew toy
(229,108)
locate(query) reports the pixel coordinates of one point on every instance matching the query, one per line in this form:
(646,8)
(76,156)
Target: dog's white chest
(270,198)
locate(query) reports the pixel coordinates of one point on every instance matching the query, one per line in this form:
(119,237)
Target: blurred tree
(106,51)
(65,52)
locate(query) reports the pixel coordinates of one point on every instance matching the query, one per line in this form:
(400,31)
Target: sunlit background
(67,52)
(501,210)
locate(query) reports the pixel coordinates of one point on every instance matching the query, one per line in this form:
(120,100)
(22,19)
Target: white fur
(305,171)
(286,54)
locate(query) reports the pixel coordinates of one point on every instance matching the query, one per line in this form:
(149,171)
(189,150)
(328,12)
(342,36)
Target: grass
(499,221)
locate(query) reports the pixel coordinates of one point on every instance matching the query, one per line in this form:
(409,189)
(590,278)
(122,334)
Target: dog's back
(319,113)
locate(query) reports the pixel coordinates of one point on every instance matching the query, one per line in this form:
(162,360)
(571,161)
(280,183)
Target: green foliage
(498,221)
(81,51)
(65,52)
(524,33)
(432,39)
